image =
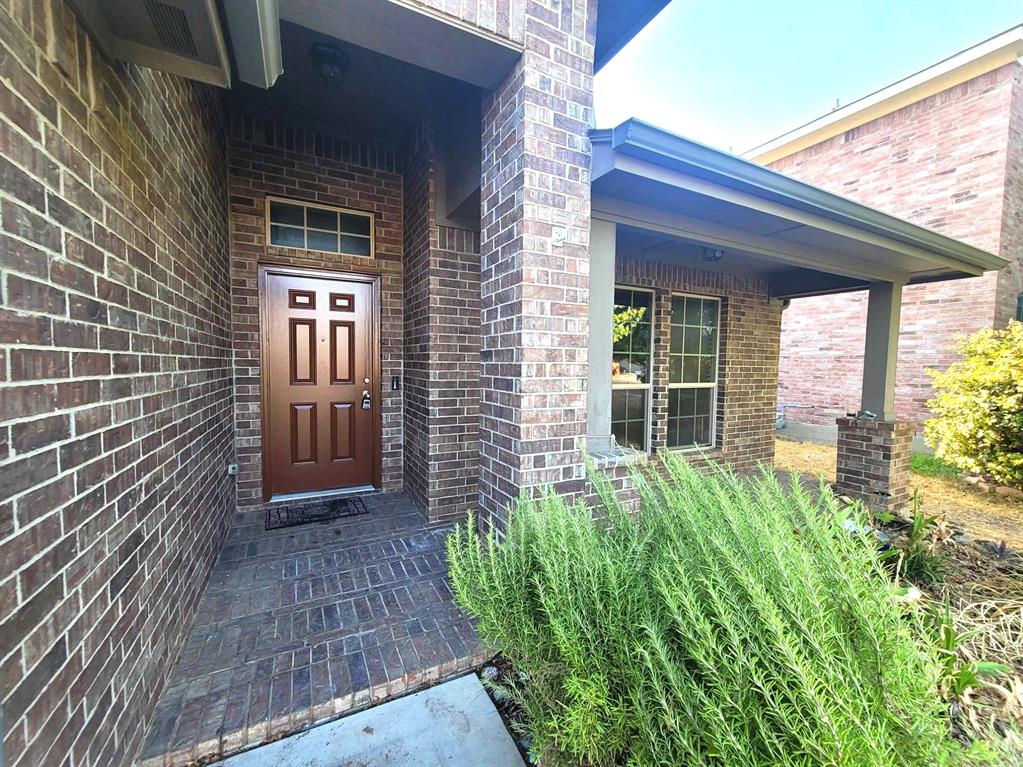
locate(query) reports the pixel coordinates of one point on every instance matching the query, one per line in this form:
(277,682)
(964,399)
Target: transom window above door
(309,226)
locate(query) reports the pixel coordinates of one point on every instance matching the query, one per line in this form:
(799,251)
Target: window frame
(305,204)
(651,369)
(714,387)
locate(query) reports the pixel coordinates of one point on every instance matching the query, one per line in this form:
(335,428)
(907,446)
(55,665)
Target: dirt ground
(978,514)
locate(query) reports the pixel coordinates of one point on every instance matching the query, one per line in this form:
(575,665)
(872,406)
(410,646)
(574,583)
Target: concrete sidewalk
(453,724)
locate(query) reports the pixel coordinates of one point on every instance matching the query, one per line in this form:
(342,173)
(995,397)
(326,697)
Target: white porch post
(881,350)
(602,294)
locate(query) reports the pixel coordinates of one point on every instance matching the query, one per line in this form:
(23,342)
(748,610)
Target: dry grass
(979,514)
(993,630)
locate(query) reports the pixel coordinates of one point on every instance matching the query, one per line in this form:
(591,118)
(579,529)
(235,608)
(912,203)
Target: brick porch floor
(309,623)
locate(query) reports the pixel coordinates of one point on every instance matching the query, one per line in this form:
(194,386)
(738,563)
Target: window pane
(703,401)
(355,246)
(321,241)
(676,340)
(282,213)
(628,417)
(288,236)
(693,311)
(641,338)
(686,432)
(617,406)
(707,370)
(636,408)
(678,306)
(692,340)
(636,435)
(355,224)
(701,434)
(708,341)
(672,432)
(618,431)
(681,402)
(710,314)
(675,369)
(318,218)
(690,369)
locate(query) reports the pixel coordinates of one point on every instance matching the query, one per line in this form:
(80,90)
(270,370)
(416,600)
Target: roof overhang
(618,22)
(649,178)
(964,66)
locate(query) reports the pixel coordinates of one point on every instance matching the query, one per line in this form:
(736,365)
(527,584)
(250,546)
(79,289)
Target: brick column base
(873,461)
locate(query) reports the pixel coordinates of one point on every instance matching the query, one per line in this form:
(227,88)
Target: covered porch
(694,256)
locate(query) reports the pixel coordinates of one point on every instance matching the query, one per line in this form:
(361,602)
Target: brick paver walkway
(309,623)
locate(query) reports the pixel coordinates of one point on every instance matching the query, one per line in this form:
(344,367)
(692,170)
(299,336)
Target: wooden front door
(320,381)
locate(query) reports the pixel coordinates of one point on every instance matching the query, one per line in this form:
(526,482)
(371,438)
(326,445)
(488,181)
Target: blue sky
(735,73)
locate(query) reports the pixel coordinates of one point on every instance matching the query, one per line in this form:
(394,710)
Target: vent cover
(179,36)
(171,27)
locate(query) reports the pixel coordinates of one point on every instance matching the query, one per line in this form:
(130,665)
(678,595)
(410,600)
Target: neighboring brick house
(944,149)
(392,272)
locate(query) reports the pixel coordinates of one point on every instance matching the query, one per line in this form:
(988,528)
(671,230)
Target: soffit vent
(178,36)
(171,26)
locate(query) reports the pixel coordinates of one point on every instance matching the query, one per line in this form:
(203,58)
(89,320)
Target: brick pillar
(534,252)
(873,461)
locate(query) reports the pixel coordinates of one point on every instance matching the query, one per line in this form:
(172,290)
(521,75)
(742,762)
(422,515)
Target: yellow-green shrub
(978,423)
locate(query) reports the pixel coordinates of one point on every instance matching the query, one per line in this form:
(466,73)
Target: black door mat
(313,511)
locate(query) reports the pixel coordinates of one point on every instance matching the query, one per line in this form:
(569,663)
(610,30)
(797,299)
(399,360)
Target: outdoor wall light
(712,254)
(329,62)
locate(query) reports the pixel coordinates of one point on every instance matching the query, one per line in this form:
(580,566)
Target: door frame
(265,270)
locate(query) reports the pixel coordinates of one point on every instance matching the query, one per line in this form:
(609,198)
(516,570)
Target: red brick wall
(273,158)
(420,237)
(1010,281)
(940,163)
(442,345)
(534,250)
(115,371)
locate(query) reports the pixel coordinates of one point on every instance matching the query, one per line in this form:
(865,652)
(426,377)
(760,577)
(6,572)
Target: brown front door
(320,381)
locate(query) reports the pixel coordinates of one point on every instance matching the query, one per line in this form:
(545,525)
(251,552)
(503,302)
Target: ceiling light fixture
(711,254)
(329,62)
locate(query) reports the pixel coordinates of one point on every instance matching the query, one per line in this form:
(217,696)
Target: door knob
(367,403)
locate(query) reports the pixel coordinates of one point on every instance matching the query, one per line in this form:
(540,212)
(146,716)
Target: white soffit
(962,67)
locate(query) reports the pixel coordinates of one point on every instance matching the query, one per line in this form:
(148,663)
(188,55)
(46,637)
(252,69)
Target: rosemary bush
(733,622)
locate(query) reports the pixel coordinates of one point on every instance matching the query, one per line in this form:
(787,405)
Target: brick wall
(267,157)
(442,344)
(1010,280)
(115,370)
(940,163)
(420,238)
(534,254)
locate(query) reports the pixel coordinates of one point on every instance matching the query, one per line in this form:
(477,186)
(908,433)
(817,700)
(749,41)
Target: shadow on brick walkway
(309,623)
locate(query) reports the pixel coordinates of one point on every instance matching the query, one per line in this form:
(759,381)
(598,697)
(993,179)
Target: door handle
(367,403)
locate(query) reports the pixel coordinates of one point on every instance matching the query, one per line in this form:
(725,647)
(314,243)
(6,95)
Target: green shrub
(978,423)
(733,622)
(927,465)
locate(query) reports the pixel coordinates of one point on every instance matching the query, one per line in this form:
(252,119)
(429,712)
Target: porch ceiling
(806,240)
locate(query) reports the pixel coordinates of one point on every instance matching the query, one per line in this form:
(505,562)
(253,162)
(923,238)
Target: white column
(881,350)
(602,297)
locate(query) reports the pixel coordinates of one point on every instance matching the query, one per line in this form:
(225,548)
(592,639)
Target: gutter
(638,139)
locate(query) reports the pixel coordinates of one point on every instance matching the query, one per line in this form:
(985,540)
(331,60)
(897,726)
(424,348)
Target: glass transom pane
(314,227)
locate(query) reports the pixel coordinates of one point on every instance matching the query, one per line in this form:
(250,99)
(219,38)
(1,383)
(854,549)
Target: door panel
(319,343)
